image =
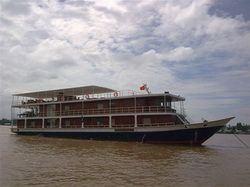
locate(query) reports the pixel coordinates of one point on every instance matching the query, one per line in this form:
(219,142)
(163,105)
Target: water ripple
(39,161)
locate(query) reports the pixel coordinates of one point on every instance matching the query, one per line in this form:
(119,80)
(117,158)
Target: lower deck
(129,121)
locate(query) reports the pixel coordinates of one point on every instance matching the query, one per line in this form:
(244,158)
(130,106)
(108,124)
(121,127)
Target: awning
(85,90)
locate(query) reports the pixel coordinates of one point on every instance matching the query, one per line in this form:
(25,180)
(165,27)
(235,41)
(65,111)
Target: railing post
(60,109)
(110,110)
(25,123)
(135,121)
(43,123)
(82,120)
(110,121)
(165,107)
(60,122)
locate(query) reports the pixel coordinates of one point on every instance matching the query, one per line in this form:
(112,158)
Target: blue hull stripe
(185,136)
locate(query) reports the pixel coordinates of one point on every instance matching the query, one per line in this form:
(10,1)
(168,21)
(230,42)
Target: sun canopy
(85,90)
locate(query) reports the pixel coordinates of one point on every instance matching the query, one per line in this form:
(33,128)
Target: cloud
(15,8)
(178,54)
(178,46)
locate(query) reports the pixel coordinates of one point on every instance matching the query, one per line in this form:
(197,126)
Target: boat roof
(93,89)
(84,90)
(173,97)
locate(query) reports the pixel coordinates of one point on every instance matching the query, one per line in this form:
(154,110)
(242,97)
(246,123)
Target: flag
(142,87)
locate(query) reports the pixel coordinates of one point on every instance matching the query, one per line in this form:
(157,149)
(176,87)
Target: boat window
(32,124)
(146,121)
(99,121)
(67,123)
(168,104)
(113,121)
(66,108)
(159,102)
(100,106)
(51,110)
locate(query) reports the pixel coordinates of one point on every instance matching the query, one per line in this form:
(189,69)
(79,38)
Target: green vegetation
(4,121)
(238,128)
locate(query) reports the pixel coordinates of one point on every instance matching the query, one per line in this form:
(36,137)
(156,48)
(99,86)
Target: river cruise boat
(99,113)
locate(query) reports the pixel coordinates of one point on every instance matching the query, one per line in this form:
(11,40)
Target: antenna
(147,88)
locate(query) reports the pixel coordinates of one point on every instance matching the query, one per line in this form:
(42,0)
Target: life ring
(115,94)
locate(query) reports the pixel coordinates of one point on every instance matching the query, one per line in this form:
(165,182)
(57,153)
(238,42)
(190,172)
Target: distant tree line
(239,127)
(243,127)
(4,121)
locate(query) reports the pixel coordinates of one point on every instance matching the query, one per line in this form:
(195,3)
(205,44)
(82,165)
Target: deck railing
(117,126)
(34,101)
(82,112)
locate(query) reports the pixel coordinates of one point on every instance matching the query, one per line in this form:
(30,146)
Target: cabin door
(51,110)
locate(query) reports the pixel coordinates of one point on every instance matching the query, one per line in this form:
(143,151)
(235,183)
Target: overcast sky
(198,49)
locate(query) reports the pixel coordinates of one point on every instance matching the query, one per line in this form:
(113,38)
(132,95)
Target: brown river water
(38,161)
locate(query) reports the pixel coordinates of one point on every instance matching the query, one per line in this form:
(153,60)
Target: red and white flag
(142,87)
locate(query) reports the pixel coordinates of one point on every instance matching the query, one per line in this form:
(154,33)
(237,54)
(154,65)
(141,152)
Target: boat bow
(215,123)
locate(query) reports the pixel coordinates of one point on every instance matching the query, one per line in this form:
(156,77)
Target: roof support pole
(135,117)
(135,110)
(25,123)
(43,123)
(60,122)
(43,110)
(110,106)
(110,121)
(82,122)
(165,103)
(135,104)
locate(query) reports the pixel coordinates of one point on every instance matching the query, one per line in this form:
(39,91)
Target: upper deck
(82,94)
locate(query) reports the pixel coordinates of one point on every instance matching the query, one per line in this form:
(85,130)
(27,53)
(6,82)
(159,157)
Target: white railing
(116,126)
(82,112)
(31,101)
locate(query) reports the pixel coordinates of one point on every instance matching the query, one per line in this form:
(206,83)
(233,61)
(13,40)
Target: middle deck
(153,103)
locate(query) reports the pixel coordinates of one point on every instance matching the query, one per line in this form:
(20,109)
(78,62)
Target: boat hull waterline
(192,134)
